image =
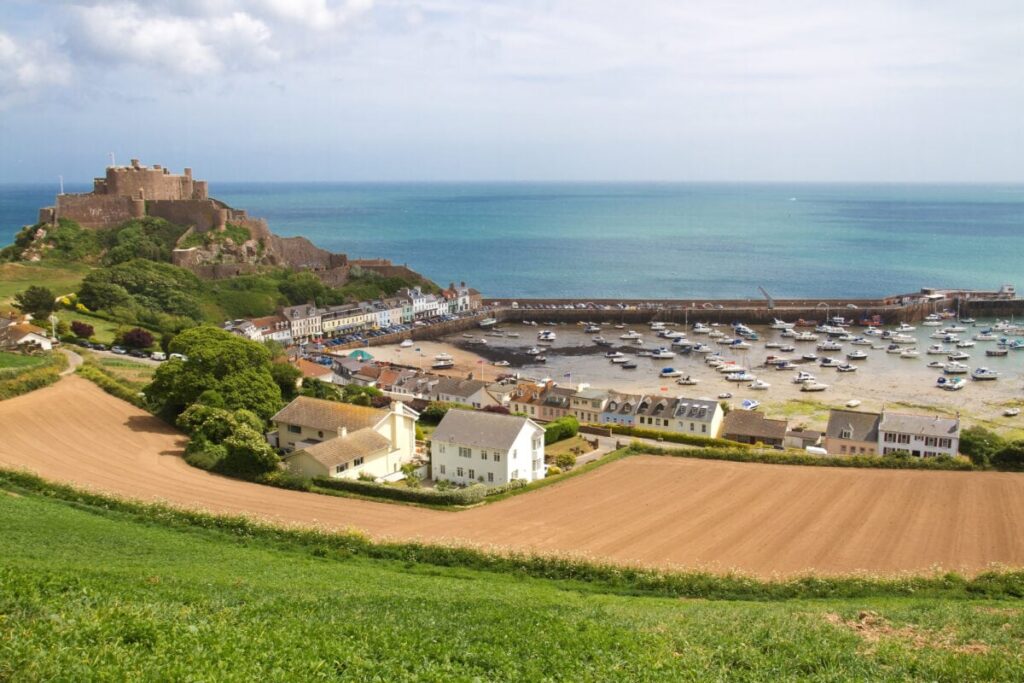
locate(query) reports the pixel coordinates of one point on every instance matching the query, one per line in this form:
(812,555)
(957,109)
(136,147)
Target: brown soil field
(654,511)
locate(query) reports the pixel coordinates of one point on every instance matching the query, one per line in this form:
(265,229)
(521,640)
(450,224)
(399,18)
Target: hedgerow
(108,383)
(465,496)
(673,437)
(15,382)
(736,454)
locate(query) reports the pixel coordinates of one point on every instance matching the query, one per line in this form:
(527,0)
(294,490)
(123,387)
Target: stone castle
(137,191)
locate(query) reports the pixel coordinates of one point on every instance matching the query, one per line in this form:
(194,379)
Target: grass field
(61,278)
(17,361)
(104,330)
(163,602)
(135,375)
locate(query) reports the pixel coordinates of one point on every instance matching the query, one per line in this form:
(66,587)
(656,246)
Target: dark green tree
(37,301)
(286,377)
(1010,457)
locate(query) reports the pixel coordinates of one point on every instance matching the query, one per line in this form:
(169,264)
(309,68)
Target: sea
(657,240)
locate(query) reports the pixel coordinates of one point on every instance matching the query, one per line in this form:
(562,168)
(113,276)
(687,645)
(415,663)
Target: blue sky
(895,90)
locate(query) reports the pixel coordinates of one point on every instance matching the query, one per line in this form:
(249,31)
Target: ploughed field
(650,510)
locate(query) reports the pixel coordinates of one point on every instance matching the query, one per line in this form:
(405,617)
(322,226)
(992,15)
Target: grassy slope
(87,595)
(62,278)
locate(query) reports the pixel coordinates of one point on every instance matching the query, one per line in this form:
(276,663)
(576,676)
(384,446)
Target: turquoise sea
(675,240)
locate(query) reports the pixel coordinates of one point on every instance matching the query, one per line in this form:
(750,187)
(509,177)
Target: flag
(568,374)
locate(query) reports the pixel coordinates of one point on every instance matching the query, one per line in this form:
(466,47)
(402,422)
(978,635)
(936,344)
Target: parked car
(138,353)
(119,350)
(158,355)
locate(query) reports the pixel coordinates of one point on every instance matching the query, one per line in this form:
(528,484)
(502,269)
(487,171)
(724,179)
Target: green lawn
(134,374)
(552,451)
(61,278)
(104,331)
(17,360)
(91,594)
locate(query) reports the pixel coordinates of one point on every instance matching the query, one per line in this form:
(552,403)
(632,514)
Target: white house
(470,447)
(305,321)
(330,439)
(470,392)
(17,335)
(918,435)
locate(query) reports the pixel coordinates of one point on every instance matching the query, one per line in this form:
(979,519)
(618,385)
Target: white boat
(592,329)
(806,337)
(501,363)
(938,364)
(759,385)
(852,403)
(632,334)
(488,322)
(860,341)
(950,383)
(533,351)
(739,344)
(873,332)
(1011,412)
(443,356)
(772,345)
(954,368)
(546,335)
(662,354)
(789,334)
(827,362)
(670,372)
(813,386)
(932,320)
(620,359)
(846,367)
(701,348)
(728,368)
(787,349)
(959,355)
(903,327)
(903,339)
(781,325)
(810,357)
(750,404)
(613,354)
(644,353)
(965,344)
(740,377)
(857,355)
(687,381)
(443,364)
(725,394)
(701,328)
(937,350)
(540,359)
(829,346)
(985,336)
(984,374)
(954,329)
(406,344)
(893,348)
(909,353)
(803,377)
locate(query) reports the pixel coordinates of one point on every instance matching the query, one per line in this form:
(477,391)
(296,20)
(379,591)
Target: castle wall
(98,211)
(150,183)
(201,213)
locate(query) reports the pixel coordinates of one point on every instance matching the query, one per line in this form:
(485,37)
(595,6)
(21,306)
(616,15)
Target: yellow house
(330,439)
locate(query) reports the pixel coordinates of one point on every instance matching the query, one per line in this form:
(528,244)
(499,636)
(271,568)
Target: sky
(438,90)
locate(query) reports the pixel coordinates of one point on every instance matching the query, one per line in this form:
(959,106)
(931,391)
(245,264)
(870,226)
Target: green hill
(92,591)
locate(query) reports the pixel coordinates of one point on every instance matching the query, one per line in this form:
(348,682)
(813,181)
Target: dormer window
(845,434)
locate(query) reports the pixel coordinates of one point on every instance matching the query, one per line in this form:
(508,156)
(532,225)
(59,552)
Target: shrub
(82,330)
(467,496)
(554,469)
(436,410)
(208,457)
(562,428)
(137,338)
(284,480)
(248,454)
(505,488)
(565,461)
(1010,457)
(980,444)
(739,454)
(674,437)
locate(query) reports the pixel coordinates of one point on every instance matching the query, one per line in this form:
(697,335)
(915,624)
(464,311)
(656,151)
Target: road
(654,511)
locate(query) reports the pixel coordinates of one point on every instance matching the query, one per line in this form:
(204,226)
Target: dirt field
(758,519)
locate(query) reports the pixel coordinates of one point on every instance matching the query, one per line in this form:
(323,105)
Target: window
(842,449)
(340,468)
(845,434)
(490,476)
(945,443)
(357,462)
(483,455)
(515,474)
(465,452)
(295,429)
(442,469)
(704,428)
(458,471)
(440,448)
(903,438)
(472,474)
(890,437)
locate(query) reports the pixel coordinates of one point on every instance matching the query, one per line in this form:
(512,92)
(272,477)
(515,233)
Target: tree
(412,477)
(315,388)
(980,444)
(359,395)
(500,410)
(248,454)
(286,377)
(565,460)
(82,330)
(303,287)
(238,369)
(1010,457)
(137,338)
(37,301)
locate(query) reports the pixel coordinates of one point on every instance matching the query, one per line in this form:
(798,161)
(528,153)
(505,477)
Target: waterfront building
(752,427)
(620,409)
(919,435)
(852,432)
(588,404)
(470,392)
(479,447)
(304,321)
(697,416)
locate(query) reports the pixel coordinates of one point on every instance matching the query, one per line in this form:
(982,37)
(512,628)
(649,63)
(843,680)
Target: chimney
(342,432)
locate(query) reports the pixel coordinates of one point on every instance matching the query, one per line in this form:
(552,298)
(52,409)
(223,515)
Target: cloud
(27,68)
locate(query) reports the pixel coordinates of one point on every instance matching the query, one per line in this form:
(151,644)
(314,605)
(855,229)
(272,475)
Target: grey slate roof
(750,423)
(338,450)
(920,425)
(863,426)
(463,388)
(480,429)
(696,409)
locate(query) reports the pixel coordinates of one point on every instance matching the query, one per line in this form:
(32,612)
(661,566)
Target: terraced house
(919,435)
(471,447)
(588,404)
(304,321)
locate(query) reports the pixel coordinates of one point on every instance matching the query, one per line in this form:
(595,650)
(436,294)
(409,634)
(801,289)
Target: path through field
(655,511)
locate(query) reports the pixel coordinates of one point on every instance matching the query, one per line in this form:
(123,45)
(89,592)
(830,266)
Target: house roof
(591,394)
(328,416)
(463,388)
(301,311)
(342,449)
(921,425)
(480,429)
(18,330)
(696,409)
(862,426)
(268,321)
(752,424)
(311,369)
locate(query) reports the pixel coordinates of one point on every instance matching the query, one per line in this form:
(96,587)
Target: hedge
(30,379)
(467,496)
(97,376)
(505,488)
(887,462)
(674,437)
(562,428)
